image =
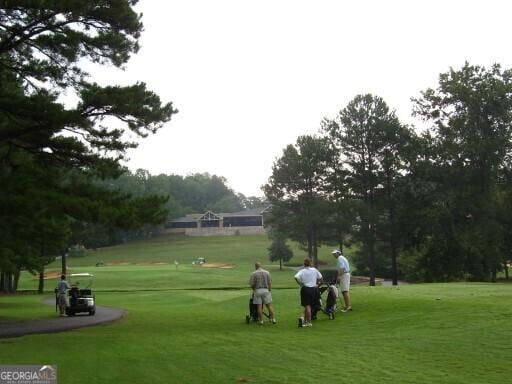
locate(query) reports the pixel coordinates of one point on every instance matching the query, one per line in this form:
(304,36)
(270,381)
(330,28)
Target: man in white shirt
(308,278)
(343,278)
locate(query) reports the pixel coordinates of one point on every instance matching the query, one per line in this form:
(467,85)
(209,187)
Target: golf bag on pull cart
(330,307)
(253,312)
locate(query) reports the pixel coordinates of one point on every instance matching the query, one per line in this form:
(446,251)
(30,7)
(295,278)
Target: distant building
(250,221)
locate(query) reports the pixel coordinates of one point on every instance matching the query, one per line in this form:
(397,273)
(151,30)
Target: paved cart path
(59,324)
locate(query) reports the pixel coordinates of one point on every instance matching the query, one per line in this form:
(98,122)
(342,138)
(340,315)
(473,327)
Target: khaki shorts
(262,296)
(61,299)
(345,282)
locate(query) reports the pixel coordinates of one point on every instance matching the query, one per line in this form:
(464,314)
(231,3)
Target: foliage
(279,250)
(57,150)
(296,190)
(471,119)
(369,138)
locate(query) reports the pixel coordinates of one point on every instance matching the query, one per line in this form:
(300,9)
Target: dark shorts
(308,296)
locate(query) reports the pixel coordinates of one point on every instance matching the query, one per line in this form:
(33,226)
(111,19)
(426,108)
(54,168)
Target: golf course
(185,323)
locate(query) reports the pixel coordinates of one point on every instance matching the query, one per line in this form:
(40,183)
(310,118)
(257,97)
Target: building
(246,222)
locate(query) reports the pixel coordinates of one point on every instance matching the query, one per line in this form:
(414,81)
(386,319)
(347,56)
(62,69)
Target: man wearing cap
(261,284)
(343,278)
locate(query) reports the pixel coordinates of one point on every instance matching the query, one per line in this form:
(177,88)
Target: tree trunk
(371,236)
(40,288)
(506,269)
(310,245)
(394,264)
(64,262)
(372,266)
(280,264)
(371,252)
(2,279)
(16,280)
(8,283)
(315,248)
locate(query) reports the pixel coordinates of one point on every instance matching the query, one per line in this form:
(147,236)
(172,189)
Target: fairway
(177,333)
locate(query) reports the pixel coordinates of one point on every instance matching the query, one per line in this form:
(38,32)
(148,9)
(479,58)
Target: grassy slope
(135,266)
(437,333)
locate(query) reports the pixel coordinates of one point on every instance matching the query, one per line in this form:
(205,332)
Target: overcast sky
(249,77)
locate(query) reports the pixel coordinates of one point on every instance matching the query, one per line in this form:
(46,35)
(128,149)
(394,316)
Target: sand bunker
(216,265)
(51,275)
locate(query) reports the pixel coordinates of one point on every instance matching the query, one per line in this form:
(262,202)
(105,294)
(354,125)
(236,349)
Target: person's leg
(259,310)
(62,305)
(345,288)
(257,301)
(307,314)
(346,299)
(271,313)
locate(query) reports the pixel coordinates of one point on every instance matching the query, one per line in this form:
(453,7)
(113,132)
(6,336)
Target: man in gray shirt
(261,284)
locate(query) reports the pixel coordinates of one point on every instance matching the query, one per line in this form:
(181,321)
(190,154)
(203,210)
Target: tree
(363,133)
(470,113)
(278,249)
(42,45)
(296,192)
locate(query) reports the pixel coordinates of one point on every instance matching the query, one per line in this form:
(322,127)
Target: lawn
(427,333)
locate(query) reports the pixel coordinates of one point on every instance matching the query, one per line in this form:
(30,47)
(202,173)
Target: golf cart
(81,300)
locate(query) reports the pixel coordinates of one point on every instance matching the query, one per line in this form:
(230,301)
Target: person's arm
(297,279)
(319,278)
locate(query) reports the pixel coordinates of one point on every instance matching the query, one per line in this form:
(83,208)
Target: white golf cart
(81,300)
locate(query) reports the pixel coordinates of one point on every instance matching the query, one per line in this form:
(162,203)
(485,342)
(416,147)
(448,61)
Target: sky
(250,77)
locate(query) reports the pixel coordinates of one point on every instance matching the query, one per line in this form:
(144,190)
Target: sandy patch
(51,275)
(217,265)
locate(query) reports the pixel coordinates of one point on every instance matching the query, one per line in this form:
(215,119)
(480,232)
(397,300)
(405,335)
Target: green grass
(428,333)
(150,265)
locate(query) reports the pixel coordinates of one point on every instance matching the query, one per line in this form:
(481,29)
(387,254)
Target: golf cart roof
(82,275)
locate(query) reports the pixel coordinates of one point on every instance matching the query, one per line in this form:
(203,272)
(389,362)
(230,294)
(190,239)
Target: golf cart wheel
(91,313)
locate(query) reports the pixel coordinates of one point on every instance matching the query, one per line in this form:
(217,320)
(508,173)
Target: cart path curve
(104,315)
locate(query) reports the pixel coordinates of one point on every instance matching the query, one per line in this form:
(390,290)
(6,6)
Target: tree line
(182,195)
(427,206)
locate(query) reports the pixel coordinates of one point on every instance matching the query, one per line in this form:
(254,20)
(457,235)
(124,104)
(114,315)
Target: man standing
(261,284)
(308,278)
(62,288)
(343,278)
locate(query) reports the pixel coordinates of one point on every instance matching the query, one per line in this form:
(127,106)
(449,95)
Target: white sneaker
(274,321)
(347,309)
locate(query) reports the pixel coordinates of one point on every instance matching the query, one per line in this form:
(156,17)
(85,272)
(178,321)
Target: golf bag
(253,312)
(330,307)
